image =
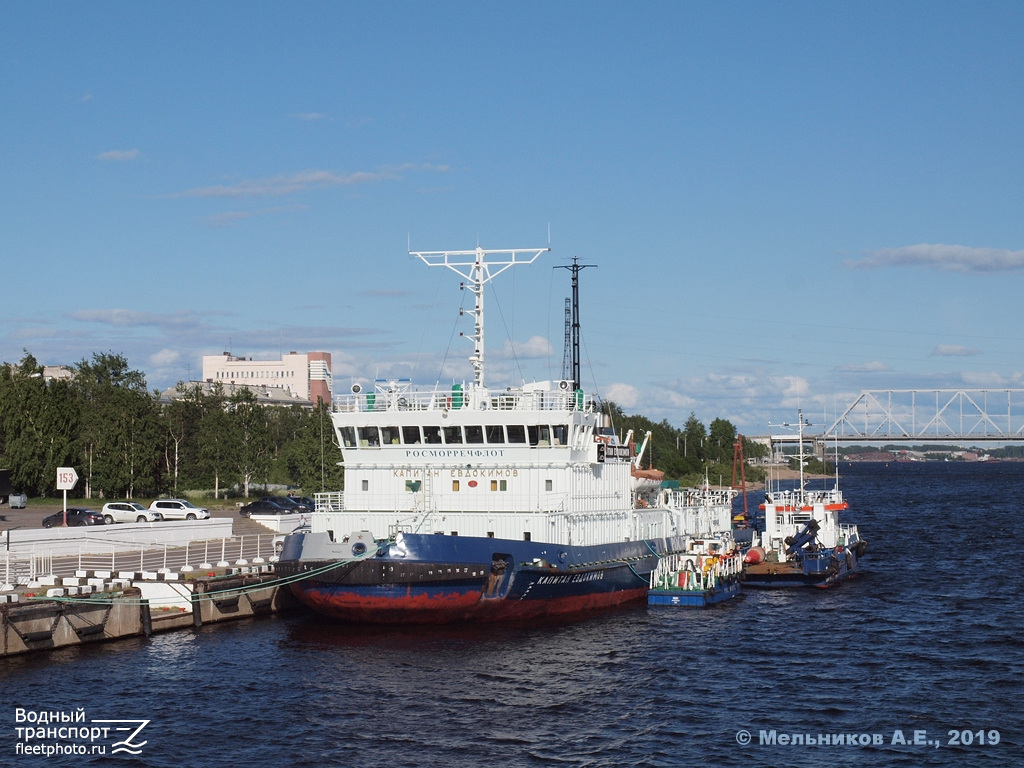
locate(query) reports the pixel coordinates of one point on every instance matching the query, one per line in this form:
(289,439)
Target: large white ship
(475,502)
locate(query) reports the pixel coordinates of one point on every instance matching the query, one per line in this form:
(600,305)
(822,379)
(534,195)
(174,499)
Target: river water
(903,666)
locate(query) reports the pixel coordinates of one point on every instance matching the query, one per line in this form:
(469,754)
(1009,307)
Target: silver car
(179,509)
(129,512)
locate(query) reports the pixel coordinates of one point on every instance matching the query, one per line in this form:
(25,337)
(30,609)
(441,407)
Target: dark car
(305,501)
(264,507)
(291,503)
(76,516)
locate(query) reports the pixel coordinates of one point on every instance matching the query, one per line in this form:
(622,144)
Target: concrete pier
(93,607)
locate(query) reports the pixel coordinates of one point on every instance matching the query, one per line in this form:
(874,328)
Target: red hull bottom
(453,607)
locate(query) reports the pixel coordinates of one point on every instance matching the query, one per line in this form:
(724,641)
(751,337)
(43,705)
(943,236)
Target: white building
(303,376)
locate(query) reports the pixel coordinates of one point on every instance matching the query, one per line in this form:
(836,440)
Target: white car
(279,540)
(128,512)
(179,509)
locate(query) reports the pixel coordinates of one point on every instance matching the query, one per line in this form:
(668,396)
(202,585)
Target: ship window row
(414,486)
(490,434)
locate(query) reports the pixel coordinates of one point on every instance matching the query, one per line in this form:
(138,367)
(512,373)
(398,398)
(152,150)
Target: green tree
(721,440)
(316,456)
(181,420)
(38,426)
(250,434)
(121,439)
(286,427)
(216,439)
(694,435)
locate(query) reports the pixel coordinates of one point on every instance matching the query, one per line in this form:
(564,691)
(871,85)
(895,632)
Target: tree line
(125,443)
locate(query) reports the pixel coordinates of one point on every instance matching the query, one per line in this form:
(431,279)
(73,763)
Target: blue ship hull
(694,598)
(430,579)
(822,570)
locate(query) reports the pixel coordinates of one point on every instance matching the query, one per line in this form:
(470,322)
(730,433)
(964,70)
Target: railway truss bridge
(904,416)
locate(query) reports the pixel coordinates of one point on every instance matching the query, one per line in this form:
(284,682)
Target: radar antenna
(478,272)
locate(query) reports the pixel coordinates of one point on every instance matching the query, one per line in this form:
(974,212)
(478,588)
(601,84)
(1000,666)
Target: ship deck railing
(330,501)
(698,578)
(447,400)
(698,497)
(847,533)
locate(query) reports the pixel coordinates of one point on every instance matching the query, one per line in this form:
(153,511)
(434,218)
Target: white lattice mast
(478,272)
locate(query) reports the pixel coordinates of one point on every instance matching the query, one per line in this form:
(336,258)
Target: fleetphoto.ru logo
(899,737)
(50,733)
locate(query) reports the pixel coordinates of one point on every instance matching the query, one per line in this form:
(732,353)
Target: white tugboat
(802,543)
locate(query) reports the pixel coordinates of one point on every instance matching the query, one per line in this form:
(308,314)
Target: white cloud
(988,380)
(953,350)
(302,181)
(118,155)
(164,358)
(123,318)
(230,218)
(872,366)
(624,395)
(792,387)
(311,116)
(537,347)
(945,258)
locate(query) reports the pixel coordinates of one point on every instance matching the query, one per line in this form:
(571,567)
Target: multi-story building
(303,376)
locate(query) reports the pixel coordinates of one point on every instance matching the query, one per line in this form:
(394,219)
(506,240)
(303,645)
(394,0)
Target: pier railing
(23,567)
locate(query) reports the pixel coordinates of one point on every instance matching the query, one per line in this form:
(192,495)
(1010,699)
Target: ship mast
(478,272)
(575,268)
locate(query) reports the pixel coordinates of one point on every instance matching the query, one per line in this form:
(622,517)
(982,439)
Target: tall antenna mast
(575,268)
(567,345)
(478,272)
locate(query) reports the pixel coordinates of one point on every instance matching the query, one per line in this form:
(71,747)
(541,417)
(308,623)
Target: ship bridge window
(474,434)
(389,435)
(431,435)
(369,437)
(539,434)
(516,433)
(452,435)
(411,436)
(348,437)
(495,434)
(561,434)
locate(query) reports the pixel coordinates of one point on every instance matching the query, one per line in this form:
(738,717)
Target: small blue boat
(708,573)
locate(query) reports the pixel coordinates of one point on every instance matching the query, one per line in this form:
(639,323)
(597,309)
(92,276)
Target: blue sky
(787,203)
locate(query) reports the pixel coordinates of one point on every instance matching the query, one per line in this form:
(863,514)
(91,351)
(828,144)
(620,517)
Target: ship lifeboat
(646,480)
